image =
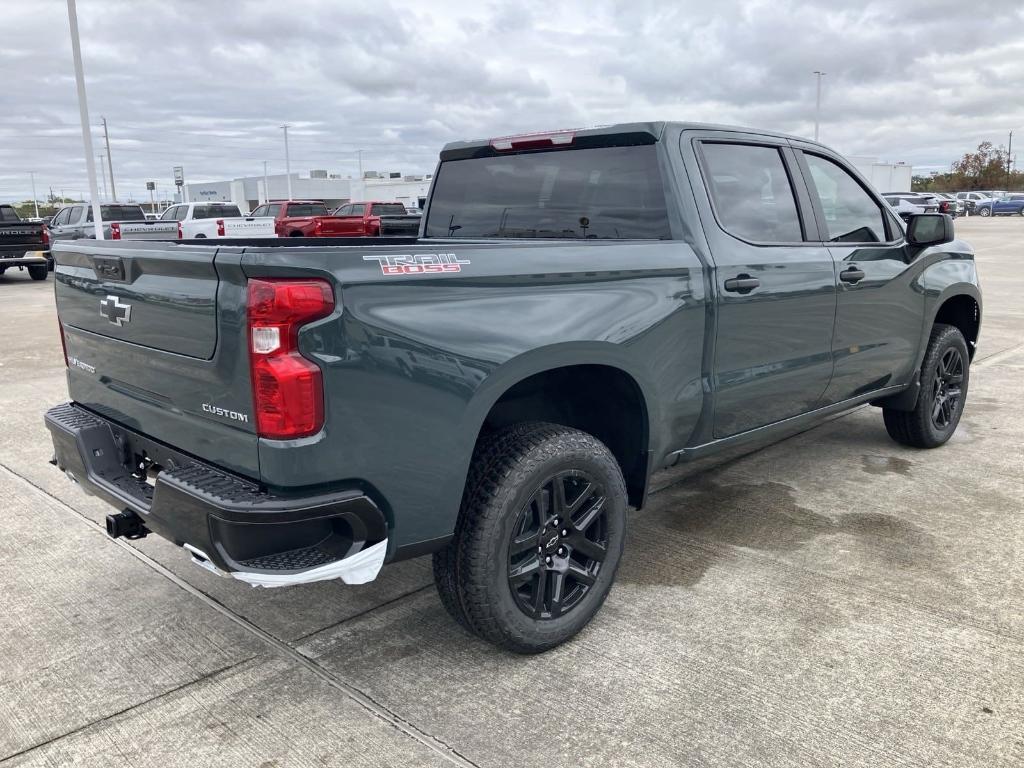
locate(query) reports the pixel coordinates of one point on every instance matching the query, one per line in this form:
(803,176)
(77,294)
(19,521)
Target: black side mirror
(925,229)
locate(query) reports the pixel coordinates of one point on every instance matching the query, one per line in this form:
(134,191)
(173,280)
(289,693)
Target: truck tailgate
(148,347)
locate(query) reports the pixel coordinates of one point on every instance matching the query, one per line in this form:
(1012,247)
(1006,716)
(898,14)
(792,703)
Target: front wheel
(945,374)
(985,212)
(539,537)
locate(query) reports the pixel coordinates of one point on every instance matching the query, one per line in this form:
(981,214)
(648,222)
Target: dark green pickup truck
(580,310)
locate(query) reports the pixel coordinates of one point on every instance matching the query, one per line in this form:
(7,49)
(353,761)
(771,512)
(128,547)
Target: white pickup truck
(216,220)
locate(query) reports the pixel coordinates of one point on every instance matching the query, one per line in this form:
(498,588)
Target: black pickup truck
(580,310)
(23,244)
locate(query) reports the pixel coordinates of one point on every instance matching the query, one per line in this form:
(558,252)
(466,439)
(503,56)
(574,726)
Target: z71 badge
(418,263)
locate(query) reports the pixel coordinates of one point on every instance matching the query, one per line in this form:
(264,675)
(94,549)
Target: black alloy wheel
(558,545)
(946,389)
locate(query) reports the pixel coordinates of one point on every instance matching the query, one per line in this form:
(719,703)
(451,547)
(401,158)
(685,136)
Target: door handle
(743,283)
(852,275)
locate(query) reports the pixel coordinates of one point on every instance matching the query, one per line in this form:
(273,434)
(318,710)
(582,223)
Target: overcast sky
(205,84)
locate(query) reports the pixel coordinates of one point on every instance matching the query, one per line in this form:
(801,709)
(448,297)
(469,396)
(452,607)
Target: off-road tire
(38,273)
(917,428)
(472,571)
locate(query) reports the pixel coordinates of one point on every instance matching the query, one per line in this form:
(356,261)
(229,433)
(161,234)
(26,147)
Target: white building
(885,177)
(249,192)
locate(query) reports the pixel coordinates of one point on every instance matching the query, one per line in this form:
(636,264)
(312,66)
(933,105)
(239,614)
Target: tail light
(220,227)
(181,233)
(944,206)
(46,235)
(288,394)
(115,231)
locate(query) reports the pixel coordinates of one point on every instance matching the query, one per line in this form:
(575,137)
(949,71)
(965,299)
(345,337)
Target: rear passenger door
(776,294)
(880,311)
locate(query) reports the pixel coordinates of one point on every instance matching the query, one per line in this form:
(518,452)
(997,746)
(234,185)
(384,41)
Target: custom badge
(418,263)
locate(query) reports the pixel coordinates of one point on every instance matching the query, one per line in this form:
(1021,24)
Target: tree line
(989,167)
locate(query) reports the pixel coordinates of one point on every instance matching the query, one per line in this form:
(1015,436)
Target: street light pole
(1009,161)
(287,161)
(110,162)
(83,113)
(817,105)
(266,184)
(32,175)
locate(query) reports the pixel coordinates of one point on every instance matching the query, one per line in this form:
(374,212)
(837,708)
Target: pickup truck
(121,221)
(23,244)
(301,218)
(1007,205)
(599,304)
(215,220)
(376,219)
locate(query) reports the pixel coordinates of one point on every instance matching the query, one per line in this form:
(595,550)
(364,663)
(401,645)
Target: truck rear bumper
(23,258)
(230,525)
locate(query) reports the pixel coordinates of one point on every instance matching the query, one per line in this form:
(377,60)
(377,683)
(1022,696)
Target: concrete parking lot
(833,599)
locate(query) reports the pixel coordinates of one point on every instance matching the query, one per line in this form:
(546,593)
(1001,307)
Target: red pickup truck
(376,219)
(302,218)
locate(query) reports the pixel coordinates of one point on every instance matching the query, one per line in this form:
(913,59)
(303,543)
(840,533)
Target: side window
(851,214)
(274,210)
(357,210)
(751,191)
(168,214)
(62,217)
(260,211)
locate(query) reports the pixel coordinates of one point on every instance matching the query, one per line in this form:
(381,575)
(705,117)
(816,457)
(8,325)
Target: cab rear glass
(594,193)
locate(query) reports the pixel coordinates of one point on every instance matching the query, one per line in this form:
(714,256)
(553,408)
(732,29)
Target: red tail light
(944,206)
(288,394)
(46,235)
(220,227)
(115,231)
(181,234)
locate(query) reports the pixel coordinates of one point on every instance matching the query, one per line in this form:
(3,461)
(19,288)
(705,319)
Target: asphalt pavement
(833,599)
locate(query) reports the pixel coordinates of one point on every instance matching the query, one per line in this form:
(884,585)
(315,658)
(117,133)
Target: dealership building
(251,191)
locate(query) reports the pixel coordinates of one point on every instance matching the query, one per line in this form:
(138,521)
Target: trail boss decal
(418,263)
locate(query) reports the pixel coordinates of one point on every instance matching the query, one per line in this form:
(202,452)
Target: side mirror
(925,229)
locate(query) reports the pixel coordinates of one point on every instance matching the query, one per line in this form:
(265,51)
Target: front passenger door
(880,312)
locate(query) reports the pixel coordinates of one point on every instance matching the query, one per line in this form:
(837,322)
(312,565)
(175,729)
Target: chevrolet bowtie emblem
(116,312)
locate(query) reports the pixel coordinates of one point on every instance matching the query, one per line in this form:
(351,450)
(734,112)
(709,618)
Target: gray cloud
(206,84)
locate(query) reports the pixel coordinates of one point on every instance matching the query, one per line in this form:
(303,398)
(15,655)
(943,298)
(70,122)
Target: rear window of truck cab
(593,193)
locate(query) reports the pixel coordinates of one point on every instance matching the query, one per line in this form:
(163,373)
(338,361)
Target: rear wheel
(945,374)
(39,273)
(539,537)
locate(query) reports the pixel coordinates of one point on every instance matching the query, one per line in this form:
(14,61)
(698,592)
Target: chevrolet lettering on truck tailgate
(578,310)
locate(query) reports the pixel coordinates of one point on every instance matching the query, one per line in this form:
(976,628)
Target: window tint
(7,213)
(120,213)
(344,210)
(307,209)
(274,210)
(601,192)
(387,209)
(753,197)
(168,214)
(851,214)
(357,210)
(62,217)
(260,211)
(215,211)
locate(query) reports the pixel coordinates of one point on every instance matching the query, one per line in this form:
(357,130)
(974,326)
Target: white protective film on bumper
(360,568)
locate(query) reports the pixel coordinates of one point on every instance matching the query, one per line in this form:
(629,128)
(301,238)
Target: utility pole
(110,162)
(103,173)
(287,161)
(266,184)
(359,154)
(1009,161)
(817,105)
(32,175)
(83,113)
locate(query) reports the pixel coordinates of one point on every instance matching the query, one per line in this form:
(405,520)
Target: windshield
(215,211)
(387,209)
(606,192)
(7,213)
(307,209)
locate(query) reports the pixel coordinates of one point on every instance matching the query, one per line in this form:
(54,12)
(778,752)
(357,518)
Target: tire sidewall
(549,632)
